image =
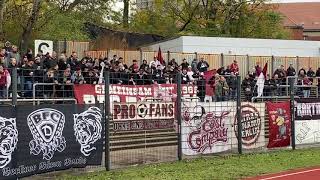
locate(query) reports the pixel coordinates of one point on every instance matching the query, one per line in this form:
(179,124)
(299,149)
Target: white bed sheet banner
(210,127)
(307,131)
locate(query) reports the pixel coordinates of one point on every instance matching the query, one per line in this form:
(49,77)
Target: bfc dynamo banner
(41,139)
(92,94)
(279,124)
(212,127)
(307,121)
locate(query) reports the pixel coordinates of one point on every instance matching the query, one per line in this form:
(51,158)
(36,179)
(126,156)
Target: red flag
(265,69)
(159,57)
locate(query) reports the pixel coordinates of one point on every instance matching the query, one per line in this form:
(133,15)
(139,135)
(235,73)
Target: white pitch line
(290,174)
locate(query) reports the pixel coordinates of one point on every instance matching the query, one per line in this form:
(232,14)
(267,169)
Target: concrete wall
(174,45)
(241,46)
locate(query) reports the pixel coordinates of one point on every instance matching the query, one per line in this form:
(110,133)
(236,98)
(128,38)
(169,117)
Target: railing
(49,84)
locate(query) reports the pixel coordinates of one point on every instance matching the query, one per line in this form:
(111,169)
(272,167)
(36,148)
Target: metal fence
(151,120)
(246,62)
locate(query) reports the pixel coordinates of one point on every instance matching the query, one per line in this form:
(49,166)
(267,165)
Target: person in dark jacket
(201,84)
(291,71)
(318,77)
(184,64)
(50,78)
(268,86)
(232,83)
(203,65)
(311,74)
(247,87)
(144,66)
(65,89)
(141,78)
(278,90)
(91,77)
(28,74)
(184,77)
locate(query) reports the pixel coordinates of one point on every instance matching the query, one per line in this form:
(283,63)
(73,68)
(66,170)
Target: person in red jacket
(4,82)
(235,67)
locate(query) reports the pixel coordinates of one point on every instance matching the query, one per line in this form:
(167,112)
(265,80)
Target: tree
(229,18)
(2,5)
(126,13)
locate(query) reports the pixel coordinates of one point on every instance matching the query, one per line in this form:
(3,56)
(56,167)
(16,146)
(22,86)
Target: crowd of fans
(61,72)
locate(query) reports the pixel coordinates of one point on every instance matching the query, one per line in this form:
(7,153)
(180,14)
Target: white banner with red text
(212,127)
(90,94)
(130,116)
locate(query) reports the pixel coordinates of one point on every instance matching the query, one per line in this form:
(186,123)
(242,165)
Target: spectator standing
(65,81)
(247,86)
(77,77)
(15,54)
(306,90)
(50,61)
(50,78)
(184,77)
(173,63)
(5,81)
(232,83)
(235,67)
(311,74)
(62,63)
(291,71)
(221,90)
(302,73)
(28,74)
(134,68)
(277,83)
(221,71)
(194,65)
(203,65)
(201,84)
(268,86)
(184,64)
(228,71)
(318,77)
(74,62)
(144,66)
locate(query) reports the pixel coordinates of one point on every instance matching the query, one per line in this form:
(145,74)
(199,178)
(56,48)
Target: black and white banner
(307,121)
(38,139)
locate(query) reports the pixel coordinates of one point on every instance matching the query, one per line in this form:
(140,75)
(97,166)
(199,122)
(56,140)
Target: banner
(279,124)
(91,94)
(252,123)
(39,139)
(143,116)
(206,127)
(307,121)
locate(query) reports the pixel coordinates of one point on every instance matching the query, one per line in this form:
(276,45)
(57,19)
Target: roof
(306,14)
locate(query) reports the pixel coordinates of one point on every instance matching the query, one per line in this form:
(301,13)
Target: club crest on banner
(87,129)
(8,140)
(46,126)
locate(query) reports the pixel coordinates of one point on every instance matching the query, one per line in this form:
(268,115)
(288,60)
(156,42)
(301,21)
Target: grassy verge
(228,167)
